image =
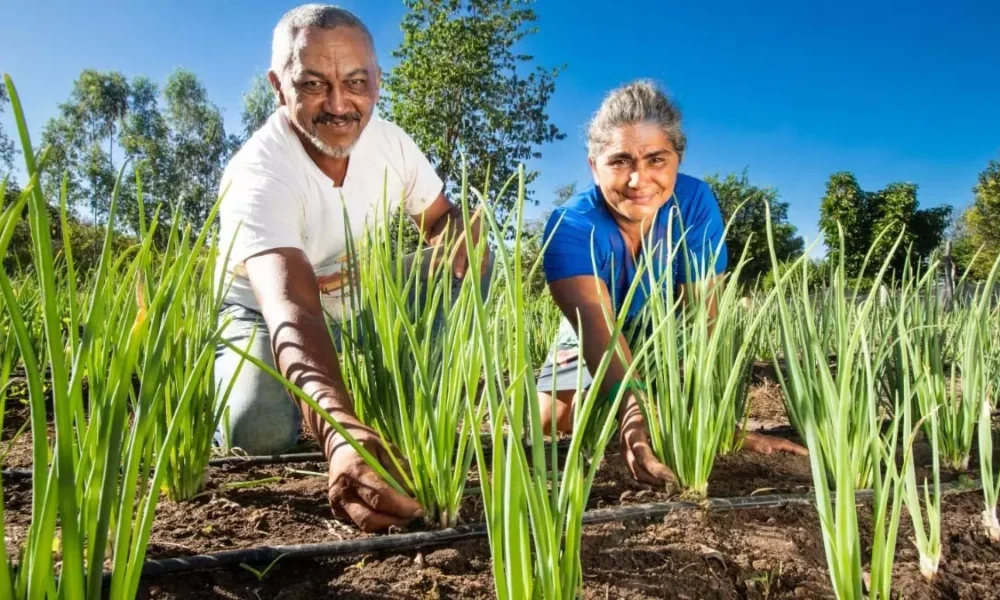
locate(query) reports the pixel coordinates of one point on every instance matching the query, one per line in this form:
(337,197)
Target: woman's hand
(766,444)
(638,452)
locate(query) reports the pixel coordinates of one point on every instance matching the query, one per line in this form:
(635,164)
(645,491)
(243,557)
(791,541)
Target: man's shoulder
(387,140)
(267,153)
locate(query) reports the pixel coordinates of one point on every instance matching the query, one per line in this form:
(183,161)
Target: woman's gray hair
(324,16)
(641,101)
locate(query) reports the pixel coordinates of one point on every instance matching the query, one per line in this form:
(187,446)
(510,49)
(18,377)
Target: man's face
(330,87)
(636,171)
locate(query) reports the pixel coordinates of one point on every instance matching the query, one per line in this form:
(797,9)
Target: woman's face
(636,172)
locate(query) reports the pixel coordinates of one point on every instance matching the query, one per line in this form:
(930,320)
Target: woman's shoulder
(689,187)
(583,207)
(579,218)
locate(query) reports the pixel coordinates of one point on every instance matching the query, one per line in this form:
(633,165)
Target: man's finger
(367,519)
(382,498)
(385,457)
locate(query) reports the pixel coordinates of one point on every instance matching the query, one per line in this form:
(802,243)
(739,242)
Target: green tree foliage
(82,138)
(988,203)
(178,150)
(978,228)
(461,89)
(198,144)
(145,142)
(258,104)
(865,215)
(564,193)
(847,204)
(749,227)
(6,144)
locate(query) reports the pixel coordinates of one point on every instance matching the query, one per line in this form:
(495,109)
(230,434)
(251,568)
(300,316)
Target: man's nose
(336,101)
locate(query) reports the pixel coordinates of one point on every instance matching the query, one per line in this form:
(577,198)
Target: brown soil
(755,554)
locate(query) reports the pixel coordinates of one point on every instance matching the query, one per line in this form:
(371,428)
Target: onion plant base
(991,524)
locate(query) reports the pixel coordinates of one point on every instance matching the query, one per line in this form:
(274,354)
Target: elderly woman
(635,147)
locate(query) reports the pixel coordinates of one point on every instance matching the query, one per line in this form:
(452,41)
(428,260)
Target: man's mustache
(327,118)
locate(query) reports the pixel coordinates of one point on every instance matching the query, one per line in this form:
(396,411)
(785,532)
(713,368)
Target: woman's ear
(593,170)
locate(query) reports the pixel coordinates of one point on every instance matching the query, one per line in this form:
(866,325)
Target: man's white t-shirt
(276,197)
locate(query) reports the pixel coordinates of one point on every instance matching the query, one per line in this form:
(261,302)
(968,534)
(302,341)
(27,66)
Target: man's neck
(334,168)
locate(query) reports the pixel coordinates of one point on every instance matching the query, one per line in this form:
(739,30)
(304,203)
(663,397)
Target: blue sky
(794,91)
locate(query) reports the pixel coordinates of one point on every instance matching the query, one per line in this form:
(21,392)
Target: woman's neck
(632,232)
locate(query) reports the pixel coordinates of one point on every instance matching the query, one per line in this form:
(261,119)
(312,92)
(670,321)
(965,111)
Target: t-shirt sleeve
(705,236)
(422,185)
(570,239)
(259,212)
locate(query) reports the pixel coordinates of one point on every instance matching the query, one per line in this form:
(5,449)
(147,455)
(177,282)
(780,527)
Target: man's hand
(638,452)
(443,221)
(766,444)
(357,493)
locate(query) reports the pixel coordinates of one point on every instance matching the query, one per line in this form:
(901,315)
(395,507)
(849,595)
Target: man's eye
(355,82)
(312,86)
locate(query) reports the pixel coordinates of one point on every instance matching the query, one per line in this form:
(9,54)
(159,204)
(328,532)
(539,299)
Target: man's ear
(275,81)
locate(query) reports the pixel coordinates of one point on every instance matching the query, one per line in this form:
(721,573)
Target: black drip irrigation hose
(273,459)
(411,541)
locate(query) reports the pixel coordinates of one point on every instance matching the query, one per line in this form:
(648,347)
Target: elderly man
(285,194)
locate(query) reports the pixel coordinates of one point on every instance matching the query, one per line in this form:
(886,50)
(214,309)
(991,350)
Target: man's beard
(323,147)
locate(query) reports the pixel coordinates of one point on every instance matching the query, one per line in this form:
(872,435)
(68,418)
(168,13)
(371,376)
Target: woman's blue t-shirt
(585,223)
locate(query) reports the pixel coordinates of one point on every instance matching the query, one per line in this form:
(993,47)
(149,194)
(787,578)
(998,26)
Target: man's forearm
(304,353)
(446,228)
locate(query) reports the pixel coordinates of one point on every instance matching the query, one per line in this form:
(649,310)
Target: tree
(749,226)
(988,203)
(891,212)
(78,136)
(178,152)
(847,204)
(564,193)
(199,146)
(978,228)
(259,102)
(6,144)
(145,142)
(894,209)
(460,89)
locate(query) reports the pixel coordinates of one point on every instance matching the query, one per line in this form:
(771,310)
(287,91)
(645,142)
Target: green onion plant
(410,328)
(534,510)
(698,368)
(984,320)
(95,485)
(914,382)
(841,420)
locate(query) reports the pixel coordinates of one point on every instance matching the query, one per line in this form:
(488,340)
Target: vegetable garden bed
(689,553)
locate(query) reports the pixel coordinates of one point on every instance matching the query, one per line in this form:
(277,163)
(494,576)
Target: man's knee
(260,433)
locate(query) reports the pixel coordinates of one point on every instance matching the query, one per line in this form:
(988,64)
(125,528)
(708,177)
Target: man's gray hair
(641,101)
(325,16)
